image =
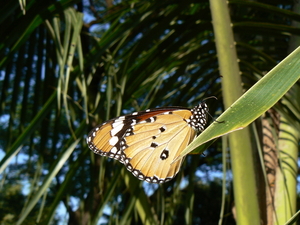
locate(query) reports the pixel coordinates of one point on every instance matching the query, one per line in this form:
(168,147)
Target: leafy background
(67,66)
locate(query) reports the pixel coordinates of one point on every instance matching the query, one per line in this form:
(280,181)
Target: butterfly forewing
(147,142)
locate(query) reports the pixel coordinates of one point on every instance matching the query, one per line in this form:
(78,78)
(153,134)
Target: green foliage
(59,79)
(11,201)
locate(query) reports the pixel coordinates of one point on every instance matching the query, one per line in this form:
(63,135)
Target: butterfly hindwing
(152,156)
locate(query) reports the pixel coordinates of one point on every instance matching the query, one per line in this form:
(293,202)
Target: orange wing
(152,147)
(147,142)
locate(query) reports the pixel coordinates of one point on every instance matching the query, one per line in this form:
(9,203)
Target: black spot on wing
(151,119)
(162,129)
(165,154)
(153,145)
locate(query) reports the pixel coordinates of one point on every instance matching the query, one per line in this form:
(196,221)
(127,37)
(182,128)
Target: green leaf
(257,100)
(293,219)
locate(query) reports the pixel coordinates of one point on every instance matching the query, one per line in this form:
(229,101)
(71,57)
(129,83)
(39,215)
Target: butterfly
(147,142)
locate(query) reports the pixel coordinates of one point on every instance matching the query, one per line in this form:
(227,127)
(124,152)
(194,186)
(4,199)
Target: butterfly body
(147,142)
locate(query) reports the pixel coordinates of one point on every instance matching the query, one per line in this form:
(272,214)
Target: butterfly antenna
(208,112)
(209,98)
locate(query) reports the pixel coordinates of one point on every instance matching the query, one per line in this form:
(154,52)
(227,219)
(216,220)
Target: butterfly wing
(147,142)
(152,147)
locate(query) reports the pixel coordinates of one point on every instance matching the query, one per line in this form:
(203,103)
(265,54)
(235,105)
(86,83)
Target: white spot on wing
(135,172)
(114,140)
(133,122)
(114,150)
(116,129)
(117,123)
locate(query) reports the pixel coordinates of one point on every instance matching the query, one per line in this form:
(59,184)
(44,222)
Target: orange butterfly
(147,142)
